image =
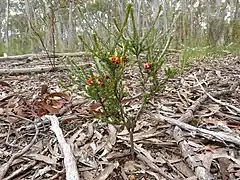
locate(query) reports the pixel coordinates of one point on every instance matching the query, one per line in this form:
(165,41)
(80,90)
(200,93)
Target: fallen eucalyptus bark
(190,157)
(30,70)
(42,69)
(211,135)
(69,160)
(192,160)
(188,154)
(43,56)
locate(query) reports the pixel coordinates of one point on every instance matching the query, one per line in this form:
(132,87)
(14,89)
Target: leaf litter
(189,131)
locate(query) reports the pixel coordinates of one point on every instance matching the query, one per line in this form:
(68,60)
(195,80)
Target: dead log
(40,69)
(43,56)
(57,55)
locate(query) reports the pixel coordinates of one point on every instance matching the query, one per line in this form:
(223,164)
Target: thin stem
(140,70)
(131,130)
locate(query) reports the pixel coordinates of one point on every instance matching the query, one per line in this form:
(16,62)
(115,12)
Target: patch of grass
(200,52)
(1,49)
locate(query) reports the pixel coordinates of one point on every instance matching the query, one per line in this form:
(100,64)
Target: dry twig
(217,100)
(69,160)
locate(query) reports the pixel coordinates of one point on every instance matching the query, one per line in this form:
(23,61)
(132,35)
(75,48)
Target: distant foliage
(58,23)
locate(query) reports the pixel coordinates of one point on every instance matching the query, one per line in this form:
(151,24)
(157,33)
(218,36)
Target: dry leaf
(107,171)
(129,166)
(112,134)
(2,83)
(132,177)
(87,175)
(223,164)
(40,157)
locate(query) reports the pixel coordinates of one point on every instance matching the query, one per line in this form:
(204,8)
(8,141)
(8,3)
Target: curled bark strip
(69,160)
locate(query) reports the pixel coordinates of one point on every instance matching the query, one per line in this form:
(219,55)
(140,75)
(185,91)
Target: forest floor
(190,131)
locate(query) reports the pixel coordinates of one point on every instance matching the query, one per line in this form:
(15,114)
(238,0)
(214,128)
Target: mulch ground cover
(189,131)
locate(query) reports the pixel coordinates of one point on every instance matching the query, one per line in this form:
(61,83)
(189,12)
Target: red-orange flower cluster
(125,57)
(105,76)
(100,82)
(115,60)
(147,65)
(91,80)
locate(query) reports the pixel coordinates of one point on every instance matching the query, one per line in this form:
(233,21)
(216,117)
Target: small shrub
(124,49)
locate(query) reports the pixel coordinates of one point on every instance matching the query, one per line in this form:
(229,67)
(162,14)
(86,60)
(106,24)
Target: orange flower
(125,57)
(90,81)
(147,65)
(115,60)
(105,76)
(100,82)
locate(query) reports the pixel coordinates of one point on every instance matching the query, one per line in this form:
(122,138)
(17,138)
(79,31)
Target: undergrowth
(201,51)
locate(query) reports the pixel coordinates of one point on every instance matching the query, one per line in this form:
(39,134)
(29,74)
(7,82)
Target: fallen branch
(154,167)
(43,56)
(188,154)
(216,100)
(34,70)
(221,136)
(193,161)
(190,157)
(69,160)
(188,115)
(20,170)
(56,55)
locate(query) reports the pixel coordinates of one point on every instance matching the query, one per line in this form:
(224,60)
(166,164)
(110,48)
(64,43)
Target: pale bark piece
(112,134)
(69,159)
(20,170)
(43,56)
(33,70)
(190,157)
(211,135)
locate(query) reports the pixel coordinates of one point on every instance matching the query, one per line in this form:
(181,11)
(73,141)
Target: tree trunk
(29,21)
(70,26)
(7,26)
